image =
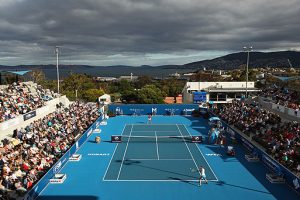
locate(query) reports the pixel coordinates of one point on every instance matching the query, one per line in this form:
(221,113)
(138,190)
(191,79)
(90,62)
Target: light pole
(247,49)
(57,71)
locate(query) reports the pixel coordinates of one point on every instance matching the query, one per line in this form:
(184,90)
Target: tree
(142,81)
(38,76)
(79,82)
(125,86)
(91,95)
(115,97)
(129,96)
(171,87)
(150,94)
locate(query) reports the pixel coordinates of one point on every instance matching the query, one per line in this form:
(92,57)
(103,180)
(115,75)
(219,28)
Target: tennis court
(161,152)
(157,165)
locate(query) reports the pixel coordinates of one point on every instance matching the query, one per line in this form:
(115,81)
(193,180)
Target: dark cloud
(104,32)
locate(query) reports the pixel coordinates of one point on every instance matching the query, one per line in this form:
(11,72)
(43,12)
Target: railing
(279,108)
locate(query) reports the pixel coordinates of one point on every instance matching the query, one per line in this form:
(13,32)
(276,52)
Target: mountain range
(256,59)
(282,59)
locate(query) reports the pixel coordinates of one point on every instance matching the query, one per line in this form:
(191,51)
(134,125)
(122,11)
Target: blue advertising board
(154,109)
(199,97)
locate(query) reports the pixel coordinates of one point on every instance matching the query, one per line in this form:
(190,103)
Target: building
(104,99)
(216,92)
(106,78)
(128,78)
(172,100)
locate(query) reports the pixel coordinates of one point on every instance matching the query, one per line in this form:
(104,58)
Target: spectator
(280,139)
(21,98)
(36,147)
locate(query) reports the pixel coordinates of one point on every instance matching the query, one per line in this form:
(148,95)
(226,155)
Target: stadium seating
(281,140)
(20,98)
(36,147)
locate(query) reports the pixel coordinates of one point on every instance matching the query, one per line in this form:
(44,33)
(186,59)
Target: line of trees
(143,90)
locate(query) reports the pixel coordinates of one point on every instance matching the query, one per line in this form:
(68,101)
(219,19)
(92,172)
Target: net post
(197,139)
(116,139)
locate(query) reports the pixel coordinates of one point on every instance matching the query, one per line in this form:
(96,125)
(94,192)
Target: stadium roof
(16,72)
(290,78)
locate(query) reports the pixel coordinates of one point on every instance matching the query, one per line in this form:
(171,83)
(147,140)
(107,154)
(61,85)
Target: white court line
(160,159)
(113,153)
(166,180)
(124,153)
(189,150)
(152,124)
(156,146)
(152,131)
(147,136)
(202,154)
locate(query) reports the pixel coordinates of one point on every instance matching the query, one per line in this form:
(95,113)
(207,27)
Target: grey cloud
(99,29)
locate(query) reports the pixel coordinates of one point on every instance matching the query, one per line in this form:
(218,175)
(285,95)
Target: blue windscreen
(199,97)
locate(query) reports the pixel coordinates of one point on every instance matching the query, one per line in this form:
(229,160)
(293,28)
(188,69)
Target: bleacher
(20,98)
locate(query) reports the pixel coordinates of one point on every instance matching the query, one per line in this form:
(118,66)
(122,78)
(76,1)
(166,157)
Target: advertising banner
(199,97)
(154,109)
(29,115)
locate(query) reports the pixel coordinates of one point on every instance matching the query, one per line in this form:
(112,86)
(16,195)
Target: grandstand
(71,152)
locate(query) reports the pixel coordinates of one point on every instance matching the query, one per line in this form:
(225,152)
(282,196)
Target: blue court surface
(154,161)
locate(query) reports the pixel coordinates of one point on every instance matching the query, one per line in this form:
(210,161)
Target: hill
(230,61)
(257,59)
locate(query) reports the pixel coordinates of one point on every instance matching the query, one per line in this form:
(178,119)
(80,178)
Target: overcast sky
(138,32)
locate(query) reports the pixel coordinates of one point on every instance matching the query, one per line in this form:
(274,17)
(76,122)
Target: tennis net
(156,139)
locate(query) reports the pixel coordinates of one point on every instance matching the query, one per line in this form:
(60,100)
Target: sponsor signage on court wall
(157,109)
(247,145)
(154,111)
(57,167)
(89,132)
(271,164)
(29,115)
(199,97)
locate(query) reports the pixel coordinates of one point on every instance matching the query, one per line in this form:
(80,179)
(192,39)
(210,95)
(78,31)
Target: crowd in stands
(280,139)
(21,98)
(36,147)
(282,96)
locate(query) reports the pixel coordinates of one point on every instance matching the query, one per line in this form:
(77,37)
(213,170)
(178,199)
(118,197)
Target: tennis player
(202,175)
(149,119)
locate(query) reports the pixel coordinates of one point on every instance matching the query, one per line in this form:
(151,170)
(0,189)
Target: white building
(104,99)
(108,79)
(128,78)
(216,92)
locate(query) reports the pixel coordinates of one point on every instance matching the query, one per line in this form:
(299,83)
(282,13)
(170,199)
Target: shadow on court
(221,183)
(140,164)
(68,198)
(194,183)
